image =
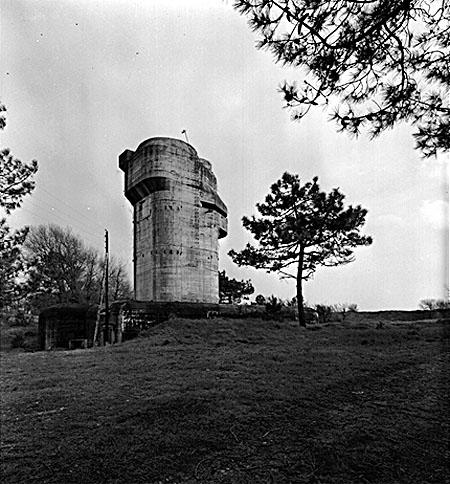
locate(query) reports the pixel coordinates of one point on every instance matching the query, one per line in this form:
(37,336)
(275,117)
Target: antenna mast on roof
(185,134)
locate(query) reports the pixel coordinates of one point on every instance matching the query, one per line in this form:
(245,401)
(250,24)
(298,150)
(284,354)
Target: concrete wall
(66,326)
(178,219)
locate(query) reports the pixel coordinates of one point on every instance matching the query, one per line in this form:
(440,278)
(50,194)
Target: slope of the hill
(240,401)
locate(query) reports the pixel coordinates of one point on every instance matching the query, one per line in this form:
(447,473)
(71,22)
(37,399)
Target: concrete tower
(178,219)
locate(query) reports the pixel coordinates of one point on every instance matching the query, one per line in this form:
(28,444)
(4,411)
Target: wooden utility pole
(106,329)
(99,310)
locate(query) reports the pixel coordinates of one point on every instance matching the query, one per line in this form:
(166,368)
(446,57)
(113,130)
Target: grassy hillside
(234,401)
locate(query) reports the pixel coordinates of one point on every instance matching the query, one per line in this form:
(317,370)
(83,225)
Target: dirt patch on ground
(234,402)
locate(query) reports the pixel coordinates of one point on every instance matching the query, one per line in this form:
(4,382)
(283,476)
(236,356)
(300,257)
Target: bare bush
(345,308)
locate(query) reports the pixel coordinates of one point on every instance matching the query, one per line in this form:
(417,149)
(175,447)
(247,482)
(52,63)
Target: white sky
(84,80)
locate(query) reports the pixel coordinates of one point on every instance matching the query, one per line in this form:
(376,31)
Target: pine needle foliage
(301,228)
(370,63)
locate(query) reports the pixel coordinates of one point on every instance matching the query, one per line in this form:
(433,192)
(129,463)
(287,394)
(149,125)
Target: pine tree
(302,227)
(16,181)
(233,288)
(371,63)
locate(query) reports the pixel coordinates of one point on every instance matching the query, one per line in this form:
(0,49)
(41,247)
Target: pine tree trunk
(301,314)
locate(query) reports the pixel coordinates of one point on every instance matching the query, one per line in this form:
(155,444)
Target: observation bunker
(178,220)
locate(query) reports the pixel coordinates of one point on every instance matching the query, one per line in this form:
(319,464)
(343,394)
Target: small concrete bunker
(178,219)
(67,326)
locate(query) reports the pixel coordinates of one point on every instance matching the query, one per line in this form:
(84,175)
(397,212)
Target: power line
(82,216)
(69,206)
(93,237)
(71,217)
(89,235)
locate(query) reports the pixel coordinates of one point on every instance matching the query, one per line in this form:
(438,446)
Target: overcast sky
(84,80)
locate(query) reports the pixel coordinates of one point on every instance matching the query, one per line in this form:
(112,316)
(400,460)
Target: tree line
(62,269)
(55,266)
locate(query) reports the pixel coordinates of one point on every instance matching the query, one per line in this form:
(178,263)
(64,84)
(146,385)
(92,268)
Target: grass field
(234,401)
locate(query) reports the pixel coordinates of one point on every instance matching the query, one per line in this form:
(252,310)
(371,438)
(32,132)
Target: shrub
(344,308)
(18,340)
(23,337)
(324,312)
(442,304)
(260,300)
(311,315)
(17,319)
(273,305)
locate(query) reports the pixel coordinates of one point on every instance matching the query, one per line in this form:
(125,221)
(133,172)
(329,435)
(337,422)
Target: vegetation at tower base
(370,63)
(234,289)
(16,181)
(303,227)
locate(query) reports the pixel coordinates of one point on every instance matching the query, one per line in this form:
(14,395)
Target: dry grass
(234,402)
